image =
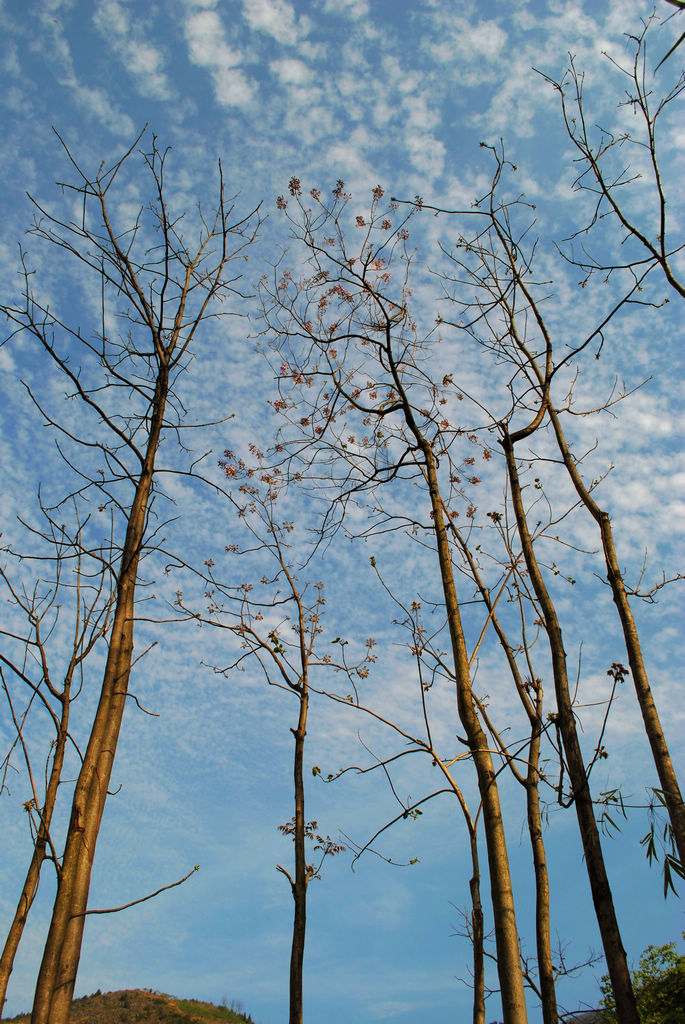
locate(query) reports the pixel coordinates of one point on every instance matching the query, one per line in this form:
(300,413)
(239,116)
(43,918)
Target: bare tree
(279,626)
(161,289)
(25,660)
(352,358)
(524,761)
(338,327)
(648,246)
(504,316)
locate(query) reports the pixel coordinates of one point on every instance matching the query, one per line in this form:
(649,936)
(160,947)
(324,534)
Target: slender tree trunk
(30,887)
(657,741)
(542,936)
(16,930)
(506,934)
(530,782)
(582,798)
(477,936)
(57,975)
(299,887)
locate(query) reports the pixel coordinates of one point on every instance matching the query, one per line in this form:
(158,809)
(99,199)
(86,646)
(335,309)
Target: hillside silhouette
(142,1006)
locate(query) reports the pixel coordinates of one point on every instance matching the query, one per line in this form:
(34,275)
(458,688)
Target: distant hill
(136,1006)
(142,1006)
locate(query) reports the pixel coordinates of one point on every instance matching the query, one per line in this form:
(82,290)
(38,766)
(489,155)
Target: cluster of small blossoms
(341,292)
(296,376)
(234,469)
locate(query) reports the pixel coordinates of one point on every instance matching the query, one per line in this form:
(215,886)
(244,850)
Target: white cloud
(275,17)
(9,62)
(486,39)
(139,57)
(420,113)
(291,71)
(346,160)
(98,103)
(208,49)
(232,88)
(7,364)
(397,76)
(347,8)
(54,46)
(144,60)
(111,17)
(426,153)
(463,42)
(205,36)
(517,103)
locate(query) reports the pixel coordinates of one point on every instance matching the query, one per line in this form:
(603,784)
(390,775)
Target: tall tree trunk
(57,975)
(582,798)
(299,887)
(657,741)
(530,782)
(477,935)
(506,933)
(542,924)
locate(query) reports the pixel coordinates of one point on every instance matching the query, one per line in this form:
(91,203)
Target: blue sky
(369,91)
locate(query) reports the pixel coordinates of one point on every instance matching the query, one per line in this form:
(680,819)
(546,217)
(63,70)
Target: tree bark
(530,782)
(594,860)
(542,923)
(57,975)
(299,887)
(477,935)
(506,933)
(650,716)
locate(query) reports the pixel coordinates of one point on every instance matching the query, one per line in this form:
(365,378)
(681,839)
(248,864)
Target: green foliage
(661,837)
(659,984)
(199,1011)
